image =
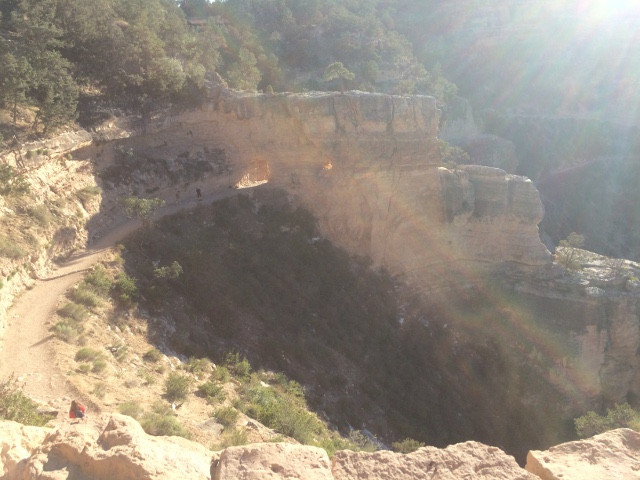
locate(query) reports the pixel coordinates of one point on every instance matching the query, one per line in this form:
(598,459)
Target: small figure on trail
(177,195)
(198,193)
(77,410)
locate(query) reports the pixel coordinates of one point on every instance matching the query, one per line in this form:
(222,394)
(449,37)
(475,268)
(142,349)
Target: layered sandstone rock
(471,460)
(271,461)
(17,443)
(121,449)
(611,455)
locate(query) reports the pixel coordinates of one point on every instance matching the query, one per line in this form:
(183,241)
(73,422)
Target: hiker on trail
(77,410)
(198,193)
(177,195)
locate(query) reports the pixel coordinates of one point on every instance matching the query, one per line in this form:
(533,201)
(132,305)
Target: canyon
(369,168)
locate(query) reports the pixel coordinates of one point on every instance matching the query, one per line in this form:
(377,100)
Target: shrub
(84,368)
(226,416)
(16,406)
(85,297)
(177,387)
(98,281)
(620,416)
(130,408)
(163,424)
(66,330)
(221,374)
(212,392)
(152,355)
(231,438)
(87,354)
(281,411)
(199,366)
(99,365)
(408,445)
(238,365)
(74,311)
(125,290)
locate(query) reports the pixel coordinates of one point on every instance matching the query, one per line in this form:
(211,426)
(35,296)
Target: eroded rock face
(120,449)
(608,456)
(464,460)
(271,461)
(367,165)
(17,443)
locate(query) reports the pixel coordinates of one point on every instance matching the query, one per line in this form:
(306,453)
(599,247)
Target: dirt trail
(26,350)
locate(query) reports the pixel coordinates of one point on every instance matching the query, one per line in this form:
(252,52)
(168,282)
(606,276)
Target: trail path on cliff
(26,350)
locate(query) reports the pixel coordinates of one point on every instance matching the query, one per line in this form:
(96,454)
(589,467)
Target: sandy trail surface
(26,350)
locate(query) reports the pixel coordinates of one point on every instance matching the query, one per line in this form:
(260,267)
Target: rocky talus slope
(115,446)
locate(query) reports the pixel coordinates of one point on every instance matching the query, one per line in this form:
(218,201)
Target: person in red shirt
(77,410)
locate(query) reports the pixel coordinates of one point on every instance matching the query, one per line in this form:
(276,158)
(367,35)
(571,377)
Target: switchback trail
(26,351)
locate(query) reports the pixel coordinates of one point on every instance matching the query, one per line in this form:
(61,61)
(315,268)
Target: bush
(199,366)
(231,438)
(408,445)
(177,387)
(66,330)
(212,392)
(87,354)
(621,416)
(152,356)
(163,424)
(100,390)
(125,290)
(238,365)
(84,368)
(221,374)
(226,416)
(131,409)
(74,311)
(16,406)
(99,365)
(84,296)
(98,281)
(276,409)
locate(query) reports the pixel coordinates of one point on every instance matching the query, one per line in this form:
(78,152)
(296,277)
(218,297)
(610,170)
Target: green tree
(11,182)
(243,74)
(15,78)
(142,208)
(569,245)
(337,71)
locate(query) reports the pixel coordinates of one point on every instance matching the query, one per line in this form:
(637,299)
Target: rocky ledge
(115,446)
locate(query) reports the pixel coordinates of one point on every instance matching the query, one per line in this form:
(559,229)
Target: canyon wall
(368,166)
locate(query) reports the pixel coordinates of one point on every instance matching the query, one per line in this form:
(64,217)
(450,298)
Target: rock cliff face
(368,167)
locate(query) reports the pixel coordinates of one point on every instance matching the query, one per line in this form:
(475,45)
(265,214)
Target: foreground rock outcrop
(608,456)
(116,447)
(104,448)
(471,460)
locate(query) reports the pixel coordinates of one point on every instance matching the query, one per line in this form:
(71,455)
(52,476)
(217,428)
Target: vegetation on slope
(257,278)
(62,58)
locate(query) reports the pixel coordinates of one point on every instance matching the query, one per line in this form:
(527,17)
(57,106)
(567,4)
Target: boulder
(610,455)
(18,442)
(271,461)
(112,447)
(471,460)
